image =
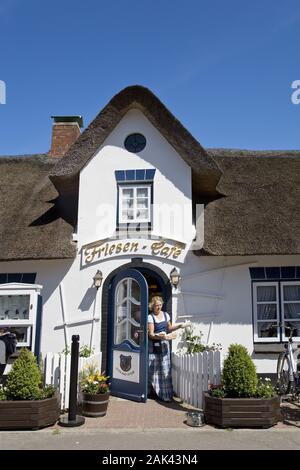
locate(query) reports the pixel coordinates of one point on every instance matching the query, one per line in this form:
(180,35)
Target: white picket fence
(193,373)
(57,372)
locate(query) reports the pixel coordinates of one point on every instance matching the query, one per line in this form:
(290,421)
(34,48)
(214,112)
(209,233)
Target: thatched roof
(31,226)
(259,213)
(205,171)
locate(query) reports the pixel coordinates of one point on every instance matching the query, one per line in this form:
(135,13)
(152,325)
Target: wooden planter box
(242,412)
(27,414)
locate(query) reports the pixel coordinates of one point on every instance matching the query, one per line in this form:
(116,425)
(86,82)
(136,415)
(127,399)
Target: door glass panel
(14,307)
(121,333)
(127,312)
(136,314)
(121,291)
(121,312)
(135,335)
(135,292)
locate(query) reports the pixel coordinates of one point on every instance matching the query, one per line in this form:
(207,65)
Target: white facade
(215,293)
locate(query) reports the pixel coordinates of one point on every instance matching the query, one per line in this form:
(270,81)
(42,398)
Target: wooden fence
(57,372)
(193,373)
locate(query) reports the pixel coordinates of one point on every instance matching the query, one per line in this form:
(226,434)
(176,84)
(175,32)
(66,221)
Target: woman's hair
(155,299)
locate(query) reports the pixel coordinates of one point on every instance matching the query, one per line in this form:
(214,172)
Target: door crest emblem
(125,363)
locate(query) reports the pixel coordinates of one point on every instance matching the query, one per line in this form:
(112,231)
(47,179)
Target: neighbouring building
(130,203)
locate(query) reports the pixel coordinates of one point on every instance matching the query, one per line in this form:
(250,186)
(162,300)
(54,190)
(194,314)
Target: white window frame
(288,283)
(135,220)
(257,339)
(33,290)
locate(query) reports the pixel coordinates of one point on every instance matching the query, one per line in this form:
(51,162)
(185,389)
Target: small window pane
(266,311)
(296,328)
(128,215)
(266,294)
(142,192)
(142,203)
(292,311)
(14,307)
(21,333)
(142,214)
(127,193)
(265,330)
(127,204)
(291,292)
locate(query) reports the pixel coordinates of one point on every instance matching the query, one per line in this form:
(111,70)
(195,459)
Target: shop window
(19,311)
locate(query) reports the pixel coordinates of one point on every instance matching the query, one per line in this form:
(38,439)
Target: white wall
(224,320)
(98,189)
(227,319)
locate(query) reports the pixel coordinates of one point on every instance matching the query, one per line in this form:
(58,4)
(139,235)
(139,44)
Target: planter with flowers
(24,402)
(94,392)
(242,400)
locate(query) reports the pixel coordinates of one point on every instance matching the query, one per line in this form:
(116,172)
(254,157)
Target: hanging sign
(104,249)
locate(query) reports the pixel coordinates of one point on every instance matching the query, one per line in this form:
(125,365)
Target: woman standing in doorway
(159,373)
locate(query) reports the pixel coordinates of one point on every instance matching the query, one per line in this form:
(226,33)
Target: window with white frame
(18,311)
(276,307)
(134,203)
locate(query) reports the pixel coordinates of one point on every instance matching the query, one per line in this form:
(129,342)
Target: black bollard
(73,419)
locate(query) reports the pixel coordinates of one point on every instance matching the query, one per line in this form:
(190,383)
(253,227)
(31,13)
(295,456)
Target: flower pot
(94,405)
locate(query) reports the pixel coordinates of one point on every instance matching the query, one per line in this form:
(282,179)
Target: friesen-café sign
(104,249)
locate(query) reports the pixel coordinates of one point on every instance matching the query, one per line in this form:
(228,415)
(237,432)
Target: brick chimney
(65,130)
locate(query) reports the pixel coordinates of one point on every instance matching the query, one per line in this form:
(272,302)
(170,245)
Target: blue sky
(223,68)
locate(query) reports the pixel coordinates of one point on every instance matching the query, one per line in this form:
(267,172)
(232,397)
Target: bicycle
(288,374)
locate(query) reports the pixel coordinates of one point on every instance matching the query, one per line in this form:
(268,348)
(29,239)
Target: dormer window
(134,203)
(135,199)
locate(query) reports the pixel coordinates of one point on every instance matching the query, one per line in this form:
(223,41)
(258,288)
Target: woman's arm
(174,327)
(151,333)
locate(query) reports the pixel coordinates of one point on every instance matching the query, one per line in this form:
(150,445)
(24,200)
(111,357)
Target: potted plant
(242,400)
(24,402)
(95,392)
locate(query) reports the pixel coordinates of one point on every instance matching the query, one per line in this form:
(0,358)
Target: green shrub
(239,373)
(24,380)
(2,393)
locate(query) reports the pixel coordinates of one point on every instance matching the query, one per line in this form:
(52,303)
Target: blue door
(127,342)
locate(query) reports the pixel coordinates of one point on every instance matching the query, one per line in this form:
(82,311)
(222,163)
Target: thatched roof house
(257,214)
(251,197)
